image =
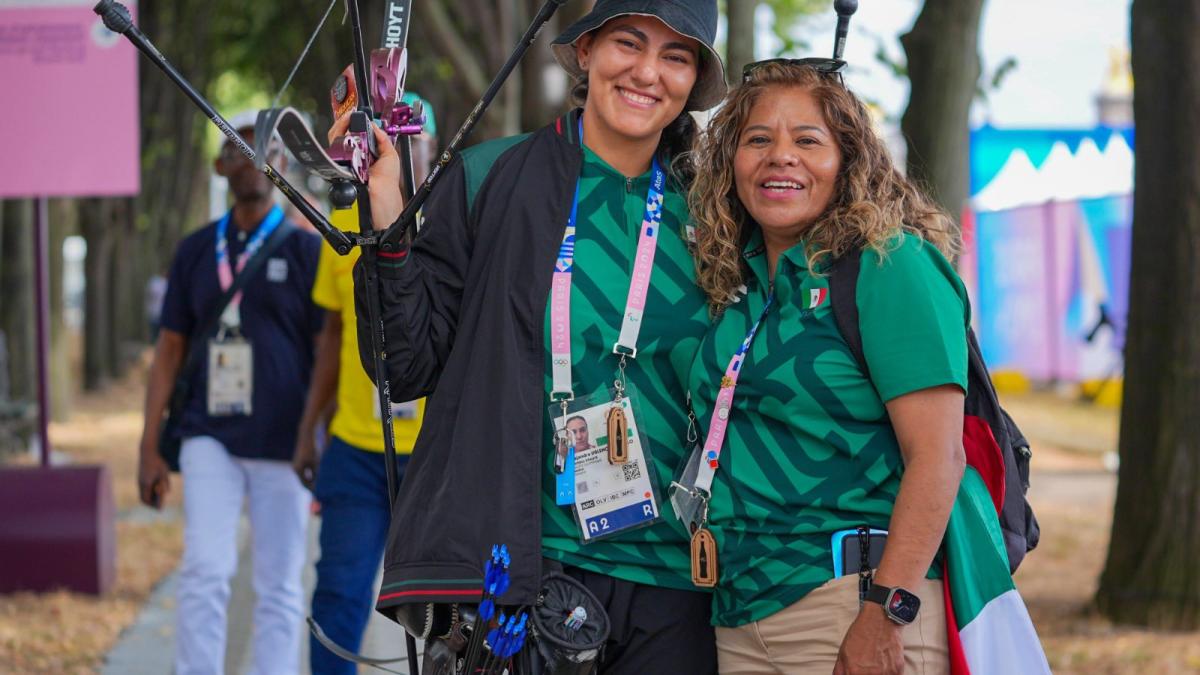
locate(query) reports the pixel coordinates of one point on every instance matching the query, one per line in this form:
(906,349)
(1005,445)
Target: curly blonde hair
(872,201)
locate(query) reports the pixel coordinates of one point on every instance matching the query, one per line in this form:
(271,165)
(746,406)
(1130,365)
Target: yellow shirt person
(356,420)
(350,481)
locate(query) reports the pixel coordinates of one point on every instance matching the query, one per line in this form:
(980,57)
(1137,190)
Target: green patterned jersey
(809,449)
(610,215)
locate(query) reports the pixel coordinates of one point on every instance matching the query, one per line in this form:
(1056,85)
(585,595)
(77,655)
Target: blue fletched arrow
(495,583)
(498,642)
(502,584)
(486,608)
(507,638)
(493,635)
(492,568)
(518,639)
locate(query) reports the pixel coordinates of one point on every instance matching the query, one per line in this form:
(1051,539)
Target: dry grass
(70,633)
(64,632)
(1072,495)
(1067,423)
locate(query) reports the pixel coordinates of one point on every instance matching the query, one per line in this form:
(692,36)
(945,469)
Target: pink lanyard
(635,303)
(719,423)
(232,316)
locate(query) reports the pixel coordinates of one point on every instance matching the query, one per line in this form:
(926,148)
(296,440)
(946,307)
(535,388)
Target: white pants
(215,485)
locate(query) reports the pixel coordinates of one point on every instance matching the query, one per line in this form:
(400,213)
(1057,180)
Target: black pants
(653,630)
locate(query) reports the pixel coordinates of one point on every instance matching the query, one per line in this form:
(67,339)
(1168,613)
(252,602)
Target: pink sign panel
(70,111)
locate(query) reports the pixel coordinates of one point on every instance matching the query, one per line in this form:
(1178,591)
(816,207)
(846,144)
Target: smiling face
(787,163)
(640,75)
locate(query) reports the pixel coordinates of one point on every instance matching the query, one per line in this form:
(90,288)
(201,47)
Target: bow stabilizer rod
(116,18)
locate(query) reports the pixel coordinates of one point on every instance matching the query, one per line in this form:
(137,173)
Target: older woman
(801,443)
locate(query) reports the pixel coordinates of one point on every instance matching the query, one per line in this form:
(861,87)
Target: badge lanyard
(704,557)
(231,318)
(631,324)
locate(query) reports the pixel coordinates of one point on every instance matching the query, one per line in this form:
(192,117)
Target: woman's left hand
(872,646)
(387,200)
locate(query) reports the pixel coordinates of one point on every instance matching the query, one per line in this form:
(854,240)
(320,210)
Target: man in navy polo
(239,422)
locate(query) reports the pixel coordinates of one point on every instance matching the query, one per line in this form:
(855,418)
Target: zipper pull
(628,185)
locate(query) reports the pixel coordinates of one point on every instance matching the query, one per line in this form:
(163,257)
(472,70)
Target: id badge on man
(609,497)
(230,377)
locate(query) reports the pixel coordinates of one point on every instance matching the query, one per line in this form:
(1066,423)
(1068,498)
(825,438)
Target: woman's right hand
(387,200)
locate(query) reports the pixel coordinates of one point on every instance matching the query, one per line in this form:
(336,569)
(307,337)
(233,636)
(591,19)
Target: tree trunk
(1150,576)
(16,304)
(97,228)
(16,301)
(174,164)
(124,293)
(944,68)
(740,44)
(63,217)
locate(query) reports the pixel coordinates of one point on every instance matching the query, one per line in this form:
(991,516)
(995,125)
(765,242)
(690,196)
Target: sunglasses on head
(821,65)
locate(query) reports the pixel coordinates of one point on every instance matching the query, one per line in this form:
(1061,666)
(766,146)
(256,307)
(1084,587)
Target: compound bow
(346,164)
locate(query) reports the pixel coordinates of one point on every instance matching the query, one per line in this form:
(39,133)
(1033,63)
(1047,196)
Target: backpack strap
(843,295)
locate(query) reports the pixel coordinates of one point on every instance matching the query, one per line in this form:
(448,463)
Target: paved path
(146,648)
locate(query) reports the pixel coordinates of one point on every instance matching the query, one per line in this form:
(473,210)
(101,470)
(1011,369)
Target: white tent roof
(1062,176)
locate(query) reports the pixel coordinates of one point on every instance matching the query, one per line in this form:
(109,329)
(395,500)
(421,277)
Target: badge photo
(606,497)
(230,377)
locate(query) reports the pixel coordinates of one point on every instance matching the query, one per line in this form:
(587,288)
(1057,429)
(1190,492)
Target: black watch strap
(900,605)
(878,594)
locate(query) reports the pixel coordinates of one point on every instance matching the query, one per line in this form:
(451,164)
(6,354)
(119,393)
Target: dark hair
(675,146)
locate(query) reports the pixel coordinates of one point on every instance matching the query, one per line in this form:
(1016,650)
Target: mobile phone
(847,551)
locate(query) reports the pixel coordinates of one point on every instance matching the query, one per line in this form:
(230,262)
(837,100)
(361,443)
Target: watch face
(902,606)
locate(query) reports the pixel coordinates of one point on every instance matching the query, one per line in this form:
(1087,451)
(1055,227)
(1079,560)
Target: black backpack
(984,420)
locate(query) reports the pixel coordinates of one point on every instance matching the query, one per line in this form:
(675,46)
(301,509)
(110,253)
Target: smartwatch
(898,604)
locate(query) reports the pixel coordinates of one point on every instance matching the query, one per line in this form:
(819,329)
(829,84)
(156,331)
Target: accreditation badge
(690,502)
(607,497)
(400,411)
(230,377)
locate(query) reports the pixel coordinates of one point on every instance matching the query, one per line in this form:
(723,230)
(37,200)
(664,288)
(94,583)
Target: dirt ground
(69,633)
(1072,493)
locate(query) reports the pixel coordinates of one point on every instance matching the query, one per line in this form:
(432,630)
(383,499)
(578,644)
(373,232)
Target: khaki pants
(805,637)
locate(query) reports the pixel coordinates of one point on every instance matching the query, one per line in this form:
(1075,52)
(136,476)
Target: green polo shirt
(609,221)
(809,449)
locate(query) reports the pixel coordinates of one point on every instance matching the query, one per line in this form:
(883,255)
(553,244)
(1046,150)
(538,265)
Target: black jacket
(463,318)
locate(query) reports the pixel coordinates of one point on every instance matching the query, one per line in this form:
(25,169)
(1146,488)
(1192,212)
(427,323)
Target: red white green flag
(990,632)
